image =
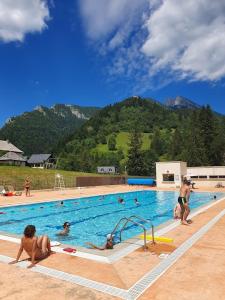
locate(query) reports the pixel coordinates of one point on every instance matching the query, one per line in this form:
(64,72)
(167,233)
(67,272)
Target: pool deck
(191,276)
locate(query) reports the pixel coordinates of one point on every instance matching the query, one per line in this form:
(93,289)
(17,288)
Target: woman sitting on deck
(36,247)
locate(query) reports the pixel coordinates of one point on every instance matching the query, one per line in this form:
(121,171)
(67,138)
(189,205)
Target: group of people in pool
(121,201)
(39,247)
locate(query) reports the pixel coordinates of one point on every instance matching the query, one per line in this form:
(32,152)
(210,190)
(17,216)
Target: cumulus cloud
(154,42)
(188,37)
(112,20)
(19,17)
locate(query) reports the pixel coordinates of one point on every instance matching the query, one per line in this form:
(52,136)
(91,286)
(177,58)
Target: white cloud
(117,18)
(19,17)
(149,43)
(188,37)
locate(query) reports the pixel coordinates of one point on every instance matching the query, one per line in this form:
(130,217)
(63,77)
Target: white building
(171,174)
(207,176)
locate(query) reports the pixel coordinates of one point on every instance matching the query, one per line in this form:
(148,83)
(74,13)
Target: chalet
(41,161)
(13,159)
(11,155)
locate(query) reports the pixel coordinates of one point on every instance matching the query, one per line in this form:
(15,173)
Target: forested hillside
(39,131)
(193,135)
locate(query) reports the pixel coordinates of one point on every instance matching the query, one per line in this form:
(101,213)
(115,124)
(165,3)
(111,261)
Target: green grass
(122,140)
(40,178)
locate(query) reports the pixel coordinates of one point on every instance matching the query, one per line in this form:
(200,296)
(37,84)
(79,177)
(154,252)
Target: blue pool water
(92,218)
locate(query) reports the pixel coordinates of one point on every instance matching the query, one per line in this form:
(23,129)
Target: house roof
(38,158)
(12,156)
(7,146)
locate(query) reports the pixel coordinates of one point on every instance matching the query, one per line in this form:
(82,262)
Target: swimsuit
(182,200)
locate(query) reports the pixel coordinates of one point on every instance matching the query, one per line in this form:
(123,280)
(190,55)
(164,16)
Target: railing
(130,219)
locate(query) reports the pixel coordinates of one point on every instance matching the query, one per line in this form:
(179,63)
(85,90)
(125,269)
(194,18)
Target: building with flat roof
(171,174)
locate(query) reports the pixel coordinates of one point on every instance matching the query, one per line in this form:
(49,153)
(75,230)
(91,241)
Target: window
(168,177)
(221,176)
(194,176)
(202,176)
(213,176)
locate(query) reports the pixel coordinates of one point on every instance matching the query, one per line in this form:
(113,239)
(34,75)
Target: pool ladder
(130,219)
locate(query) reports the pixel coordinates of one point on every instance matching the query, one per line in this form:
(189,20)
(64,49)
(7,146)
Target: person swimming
(136,201)
(66,229)
(121,200)
(108,245)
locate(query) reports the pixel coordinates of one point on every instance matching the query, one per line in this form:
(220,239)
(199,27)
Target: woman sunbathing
(36,247)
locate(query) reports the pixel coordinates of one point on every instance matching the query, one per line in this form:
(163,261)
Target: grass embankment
(40,178)
(122,142)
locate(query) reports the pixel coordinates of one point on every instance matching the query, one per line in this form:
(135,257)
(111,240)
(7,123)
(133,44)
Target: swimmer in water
(66,229)
(136,201)
(121,200)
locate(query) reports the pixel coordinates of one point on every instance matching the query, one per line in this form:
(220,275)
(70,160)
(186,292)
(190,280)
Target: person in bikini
(36,247)
(183,200)
(27,185)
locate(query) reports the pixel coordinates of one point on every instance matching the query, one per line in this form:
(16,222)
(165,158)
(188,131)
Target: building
(6,146)
(171,174)
(207,176)
(11,155)
(41,161)
(106,170)
(13,159)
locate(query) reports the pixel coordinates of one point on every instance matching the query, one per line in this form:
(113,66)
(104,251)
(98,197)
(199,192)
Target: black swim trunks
(182,200)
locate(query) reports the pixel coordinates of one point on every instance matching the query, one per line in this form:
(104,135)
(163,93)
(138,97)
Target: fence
(100,180)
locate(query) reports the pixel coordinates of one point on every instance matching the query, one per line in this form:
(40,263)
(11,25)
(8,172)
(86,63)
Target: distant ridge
(40,130)
(181,103)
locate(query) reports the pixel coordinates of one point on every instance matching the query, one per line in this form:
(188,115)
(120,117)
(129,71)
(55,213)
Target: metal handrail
(147,221)
(117,225)
(136,223)
(127,220)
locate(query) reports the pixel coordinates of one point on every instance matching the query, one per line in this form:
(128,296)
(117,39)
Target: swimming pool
(92,218)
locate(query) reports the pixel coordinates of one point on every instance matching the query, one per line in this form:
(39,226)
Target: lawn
(122,141)
(40,178)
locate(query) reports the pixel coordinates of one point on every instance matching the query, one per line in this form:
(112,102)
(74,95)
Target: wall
(99,180)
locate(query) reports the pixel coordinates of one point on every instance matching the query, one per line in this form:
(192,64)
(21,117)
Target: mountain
(181,103)
(40,130)
(89,146)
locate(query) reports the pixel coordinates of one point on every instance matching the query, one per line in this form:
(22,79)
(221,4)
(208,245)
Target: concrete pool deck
(123,274)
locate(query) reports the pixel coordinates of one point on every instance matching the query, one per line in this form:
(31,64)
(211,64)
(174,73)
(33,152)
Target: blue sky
(96,52)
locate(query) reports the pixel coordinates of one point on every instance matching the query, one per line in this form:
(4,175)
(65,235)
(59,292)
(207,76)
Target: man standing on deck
(183,200)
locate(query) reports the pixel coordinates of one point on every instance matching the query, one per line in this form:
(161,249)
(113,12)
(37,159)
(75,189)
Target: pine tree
(207,130)
(135,162)
(112,143)
(176,145)
(194,151)
(157,144)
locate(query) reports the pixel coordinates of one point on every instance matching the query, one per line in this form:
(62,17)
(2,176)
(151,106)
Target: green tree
(112,143)
(157,144)
(194,151)
(135,162)
(176,145)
